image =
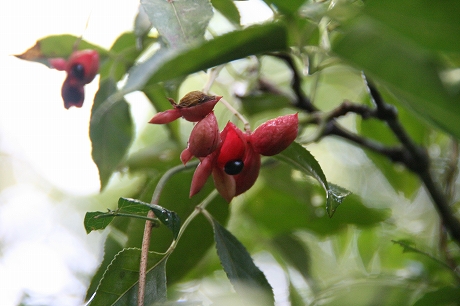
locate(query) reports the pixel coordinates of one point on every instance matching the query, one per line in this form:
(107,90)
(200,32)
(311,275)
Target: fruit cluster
(231,156)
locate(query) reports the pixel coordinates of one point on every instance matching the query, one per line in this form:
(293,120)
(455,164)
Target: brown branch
(414,157)
(144,260)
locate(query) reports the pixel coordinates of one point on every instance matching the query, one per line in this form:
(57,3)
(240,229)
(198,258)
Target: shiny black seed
(234,167)
(78,71)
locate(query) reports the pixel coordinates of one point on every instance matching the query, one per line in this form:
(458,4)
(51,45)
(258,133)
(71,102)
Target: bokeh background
(47,177)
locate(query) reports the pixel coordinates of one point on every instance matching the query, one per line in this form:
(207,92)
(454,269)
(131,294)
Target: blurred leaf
(167,217)
(299,158)
(115,243)
(283,205)
(157,95)
(142,26)
(411,73)
(447,295)
(179,22)
(287,7)
(367,291)
(119,284)
(238,264)
(228,9)
(257,103)
(111,132)
(57,46)
(368,246)
(167,65)
(123,55)
(294,252)
(409,247)
(431,26)
(294,296)
(159,157)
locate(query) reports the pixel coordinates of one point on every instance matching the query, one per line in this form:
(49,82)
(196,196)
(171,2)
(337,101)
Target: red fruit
(204,139)
(83,65)
(166,117)
(250,172)
(275,135)
(193,107)
(81,69)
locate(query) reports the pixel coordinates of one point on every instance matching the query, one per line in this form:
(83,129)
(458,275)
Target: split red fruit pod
(275,135)
(72,92)
(58,63)
(233,149)
(193,107)
(166,117)
(83,65)
(248,176)
(201,174)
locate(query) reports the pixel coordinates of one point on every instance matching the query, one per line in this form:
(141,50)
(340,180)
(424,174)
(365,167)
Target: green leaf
(119,284)
(142,26)
(157,95)
(294,252)
(123,55)
(383,291)
(447,295)
(410,72)
(167,217)
(302,160)
(238,264)
(58,46)
(92,221)
(287,7)
(409,247)
(294,296)
(228,9)
(167,65)
(179,22)
(126,206)
(431,26)
(287,203)
(368,245)
(111,131)
(112,246)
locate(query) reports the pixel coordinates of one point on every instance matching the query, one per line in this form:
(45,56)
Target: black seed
(78,71)
(234,167)
(73,95)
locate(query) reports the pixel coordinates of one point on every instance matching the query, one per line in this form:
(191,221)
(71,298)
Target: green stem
(198,209)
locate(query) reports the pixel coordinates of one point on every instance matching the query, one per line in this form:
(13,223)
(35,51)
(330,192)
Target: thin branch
(302,102)
(442,205)
(148,229)
(451,175)
(414,157)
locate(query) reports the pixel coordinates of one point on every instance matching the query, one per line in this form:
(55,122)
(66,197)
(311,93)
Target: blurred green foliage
(410,51)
